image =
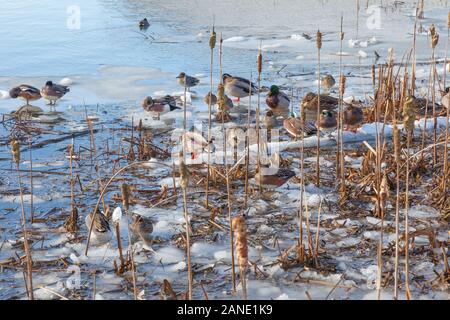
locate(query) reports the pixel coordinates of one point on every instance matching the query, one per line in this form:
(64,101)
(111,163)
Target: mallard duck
(210,98)
(53,92)
(278,101)
(309,104)
(327,122)
(293,126)
(26,92)
(328,82)
(238,87)
(187,81)
(270,121)
(141,228)
(159,105)
(144,24)
(353,117)
(101,230)
(272,178)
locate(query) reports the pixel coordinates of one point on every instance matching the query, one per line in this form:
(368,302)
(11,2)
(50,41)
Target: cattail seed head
(221,96)
(212,40)
(184,173)
(434,36)
(125,195)
(409,113)
(259,62)
(70,150)
(448,20)
(319,40)
(240,233)
(342,80)
(15,149)
(341,35)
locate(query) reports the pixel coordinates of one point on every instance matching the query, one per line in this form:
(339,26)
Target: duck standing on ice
(238,87)
(187,81)
(25,92)
(53,92)
(159,105)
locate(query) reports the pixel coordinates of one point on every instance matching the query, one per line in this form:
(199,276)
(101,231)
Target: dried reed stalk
(15,148)
(258,137)
(212,44)
(184,182)
(30,143)
(247,141)
(319,46)
(340,152)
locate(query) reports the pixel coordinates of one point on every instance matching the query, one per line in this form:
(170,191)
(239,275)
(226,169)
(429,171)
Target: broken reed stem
(319,46)
(119,245)
(239,228)
(318,230)
(212,44)
(30,142)
(15,148)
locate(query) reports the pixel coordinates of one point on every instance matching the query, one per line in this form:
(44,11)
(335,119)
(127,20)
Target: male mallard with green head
(278,101)
(353,117)
(53,92)
(25,92)
(159,105)
(238,87)
(187,81)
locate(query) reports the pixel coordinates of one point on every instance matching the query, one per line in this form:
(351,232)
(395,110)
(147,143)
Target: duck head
(14,92)
(49,83)
(225,76)
(181,75)
(149,101)
(274,90)
(309,96)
